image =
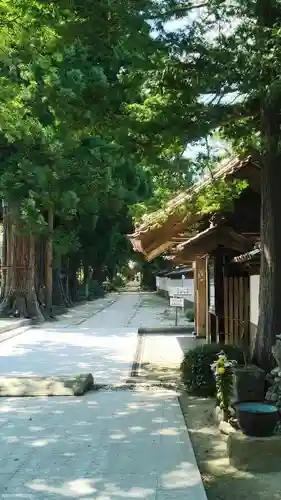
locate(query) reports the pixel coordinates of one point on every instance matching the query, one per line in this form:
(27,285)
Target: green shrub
(190,315)
(196,371)
(118,282)
(96,290)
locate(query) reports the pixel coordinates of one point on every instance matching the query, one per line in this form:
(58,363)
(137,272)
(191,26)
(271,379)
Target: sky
(217,146)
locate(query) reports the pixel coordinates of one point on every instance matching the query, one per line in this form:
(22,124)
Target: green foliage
(190,315)
(66,140)
(96,291)
(196,367)
(94,122)
(65,242)
(220,196)
(118,282)
(220,75)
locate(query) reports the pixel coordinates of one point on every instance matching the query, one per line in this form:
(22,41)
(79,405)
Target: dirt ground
(221,480)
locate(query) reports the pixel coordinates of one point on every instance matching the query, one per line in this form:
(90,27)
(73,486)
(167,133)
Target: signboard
(179,291)
(176,301)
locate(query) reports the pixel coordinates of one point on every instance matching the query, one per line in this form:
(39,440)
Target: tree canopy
(222,74)
(68,72)
(99,100)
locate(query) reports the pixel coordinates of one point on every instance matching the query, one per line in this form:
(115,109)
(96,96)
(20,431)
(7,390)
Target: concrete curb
(97,311)
(166,330)
(15,324)
(59,323)
(15,332)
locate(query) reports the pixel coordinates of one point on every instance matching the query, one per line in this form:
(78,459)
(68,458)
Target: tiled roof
(226,168)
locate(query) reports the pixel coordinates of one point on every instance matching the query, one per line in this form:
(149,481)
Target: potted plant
(222,369)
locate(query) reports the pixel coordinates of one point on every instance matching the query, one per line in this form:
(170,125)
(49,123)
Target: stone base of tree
(274,392)
(75,385)
(253,454)
(21,305)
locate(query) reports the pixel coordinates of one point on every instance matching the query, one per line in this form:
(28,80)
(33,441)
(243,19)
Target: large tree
(222,74)
(65,154)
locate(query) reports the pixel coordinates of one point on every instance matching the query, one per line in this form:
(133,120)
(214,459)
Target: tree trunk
(5,255)
(58,296)
(74,264)
(270,273)
(67,288)
(148,279)
(98,275)
(40,272)
(87,276)
(20,298)
(86,280)
(111,273)
(49,263)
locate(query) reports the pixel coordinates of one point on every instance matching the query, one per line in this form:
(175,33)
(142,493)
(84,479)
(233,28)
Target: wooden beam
(207,298)
(149,256)
(236,340)
(155,237)
(231,309)
(200,297)
(226,310)
(179,259)
(161,242)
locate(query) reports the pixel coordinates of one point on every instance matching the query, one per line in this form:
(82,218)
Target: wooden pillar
(200,297)
(219,295)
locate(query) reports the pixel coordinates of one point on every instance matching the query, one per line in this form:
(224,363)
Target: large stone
(218,415)
(75,385)
(253,454)
(226,428)
(271,396)
(276,351)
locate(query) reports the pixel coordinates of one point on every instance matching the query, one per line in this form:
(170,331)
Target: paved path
(98,337)
(102,344)
(108,445)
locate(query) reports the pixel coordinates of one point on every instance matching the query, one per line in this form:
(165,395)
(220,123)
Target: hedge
(195,368)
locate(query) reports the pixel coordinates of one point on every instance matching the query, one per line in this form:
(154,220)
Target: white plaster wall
(188,343)
(161,282)
(254,299)
(187,283)
(166,284)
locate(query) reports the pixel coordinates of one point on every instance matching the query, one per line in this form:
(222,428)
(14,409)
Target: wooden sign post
(177,302)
